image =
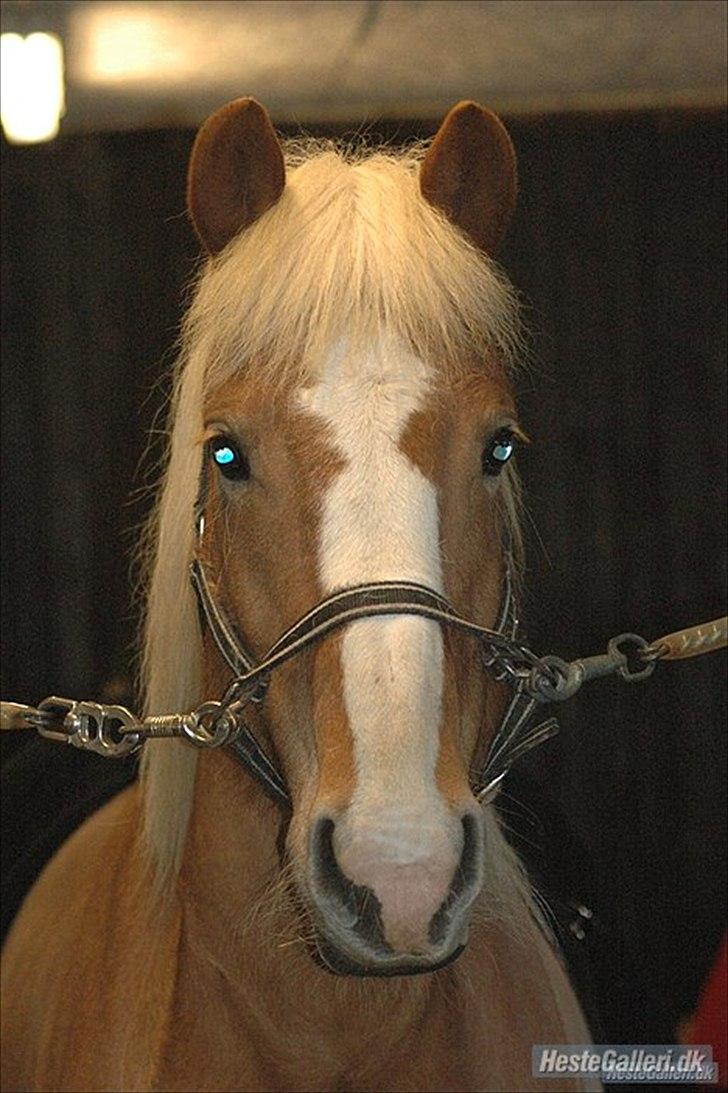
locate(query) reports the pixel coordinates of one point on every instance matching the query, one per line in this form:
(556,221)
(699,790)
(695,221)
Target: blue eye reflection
(228,457)
(498,452)
(503,451)
(223,456)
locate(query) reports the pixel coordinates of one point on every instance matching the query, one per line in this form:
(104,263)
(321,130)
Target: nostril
(355,905)
(464,881)
(470,858)
(329,879)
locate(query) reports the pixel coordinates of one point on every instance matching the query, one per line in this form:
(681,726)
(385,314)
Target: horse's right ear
(236,172)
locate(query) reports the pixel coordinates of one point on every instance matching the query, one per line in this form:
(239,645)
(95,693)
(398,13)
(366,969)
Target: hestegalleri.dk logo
(610,1063)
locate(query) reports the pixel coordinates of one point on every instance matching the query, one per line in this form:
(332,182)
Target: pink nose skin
(409,894)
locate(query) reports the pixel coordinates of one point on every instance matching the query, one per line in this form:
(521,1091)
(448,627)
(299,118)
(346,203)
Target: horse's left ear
(236,172)
(469,173)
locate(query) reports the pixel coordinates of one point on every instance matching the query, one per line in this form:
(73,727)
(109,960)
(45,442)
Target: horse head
(349,344)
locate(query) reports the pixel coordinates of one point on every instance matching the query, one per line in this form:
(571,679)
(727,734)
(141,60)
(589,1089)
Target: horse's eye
(498,451)
(229,459)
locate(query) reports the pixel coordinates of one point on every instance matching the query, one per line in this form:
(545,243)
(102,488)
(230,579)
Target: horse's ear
(469,173)
(236,172)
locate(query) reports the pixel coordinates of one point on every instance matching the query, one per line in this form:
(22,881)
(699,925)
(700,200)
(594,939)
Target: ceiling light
(32,97)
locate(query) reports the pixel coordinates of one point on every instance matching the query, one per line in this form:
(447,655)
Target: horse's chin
(389,965)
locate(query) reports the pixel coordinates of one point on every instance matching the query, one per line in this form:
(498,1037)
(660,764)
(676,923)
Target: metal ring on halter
(239,692)
(221,722)
(554,679)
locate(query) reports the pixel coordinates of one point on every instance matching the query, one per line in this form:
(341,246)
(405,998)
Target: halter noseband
(502,656)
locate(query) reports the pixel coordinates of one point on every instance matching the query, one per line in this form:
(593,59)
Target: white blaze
(380,522)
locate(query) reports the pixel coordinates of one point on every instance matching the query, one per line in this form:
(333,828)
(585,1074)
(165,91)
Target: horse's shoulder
(77,953)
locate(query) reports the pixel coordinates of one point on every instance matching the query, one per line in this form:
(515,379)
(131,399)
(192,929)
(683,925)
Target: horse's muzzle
(396,917)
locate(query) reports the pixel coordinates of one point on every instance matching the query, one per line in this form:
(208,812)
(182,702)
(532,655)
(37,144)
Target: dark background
(619,250)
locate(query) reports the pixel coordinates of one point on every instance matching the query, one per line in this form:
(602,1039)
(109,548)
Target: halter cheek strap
(244,746)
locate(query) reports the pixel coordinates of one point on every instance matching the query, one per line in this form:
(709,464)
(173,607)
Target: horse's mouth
(362,952)
(327,956)
(372,960)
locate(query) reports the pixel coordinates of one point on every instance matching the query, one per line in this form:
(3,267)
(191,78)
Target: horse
(343,415)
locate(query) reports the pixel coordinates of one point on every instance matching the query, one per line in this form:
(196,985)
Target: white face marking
(380,522)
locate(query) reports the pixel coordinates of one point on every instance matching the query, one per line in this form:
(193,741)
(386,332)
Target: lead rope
(114,732)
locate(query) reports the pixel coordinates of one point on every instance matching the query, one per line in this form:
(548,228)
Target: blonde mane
(352,249)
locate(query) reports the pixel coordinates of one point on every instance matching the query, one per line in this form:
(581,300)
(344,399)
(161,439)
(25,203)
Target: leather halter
(502,656)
